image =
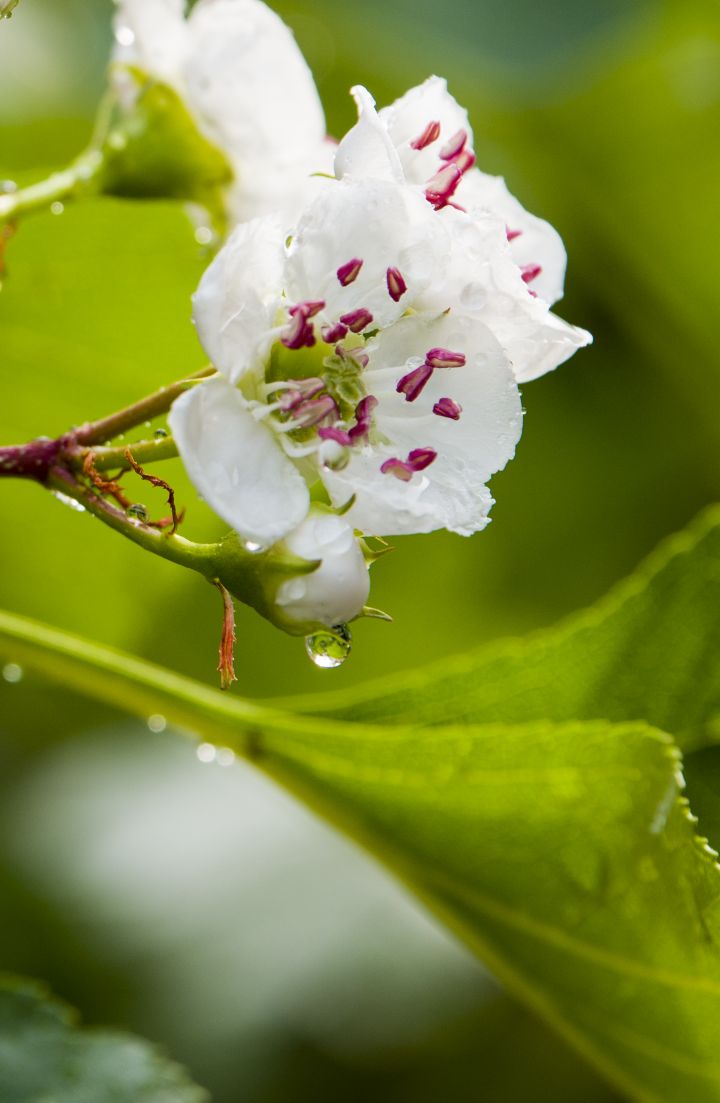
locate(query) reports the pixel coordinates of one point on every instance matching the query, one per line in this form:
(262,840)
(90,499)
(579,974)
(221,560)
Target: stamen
(395,284)
(464,160)
(357,320)
(444,358)
(446,407)
(412,384)
(512,234)
(315,410)
(398,468)
(299,332)
(341,436)
(442,185)
(363,414)
(348,272)
(418,460)
(331,334)
(530,272)
(431,133)
(298,390)
(453,146)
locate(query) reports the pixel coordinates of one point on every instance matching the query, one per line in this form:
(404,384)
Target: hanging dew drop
(161,433)
(137,511)
(329,649)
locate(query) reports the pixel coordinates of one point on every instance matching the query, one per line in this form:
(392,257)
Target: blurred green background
(195,904)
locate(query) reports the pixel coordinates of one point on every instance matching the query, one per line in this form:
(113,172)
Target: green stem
(186,553)
(97,432)
(82,177)
(143,451)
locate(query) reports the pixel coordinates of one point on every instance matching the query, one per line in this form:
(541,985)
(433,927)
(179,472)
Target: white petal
(236,304)
(338,589)
(254,95)
(236,463)
(483,280)
(451,492)
(367,151)
(152,35)
(537,243)
(407,118)
(381,223)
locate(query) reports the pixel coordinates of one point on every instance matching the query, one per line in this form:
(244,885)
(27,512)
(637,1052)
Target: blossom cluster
(370,316)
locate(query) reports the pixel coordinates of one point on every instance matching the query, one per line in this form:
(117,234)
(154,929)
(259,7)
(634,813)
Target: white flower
(425,138)
(337,591)
(242,77)
(354,368)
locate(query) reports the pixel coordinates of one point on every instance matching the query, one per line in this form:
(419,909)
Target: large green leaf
(45,1058)
(561,852)
(648,651)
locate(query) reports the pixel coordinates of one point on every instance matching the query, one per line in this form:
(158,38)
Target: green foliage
(45,1056)
(650,650)
(561,850)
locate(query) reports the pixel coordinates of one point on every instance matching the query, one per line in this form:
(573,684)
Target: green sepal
(254,578)
(154,150)
(376,614)
(372,554)
(288,564)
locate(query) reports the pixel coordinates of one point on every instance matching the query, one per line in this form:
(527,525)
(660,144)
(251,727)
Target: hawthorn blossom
(333,368)
(377,348)
(240,73)
(425,139)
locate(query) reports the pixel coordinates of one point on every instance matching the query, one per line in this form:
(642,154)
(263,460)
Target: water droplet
(138,511)
(148,424)
(331,648)
(124,36)
(67,501)
(204,235)
(251,546)
(160,433)
(225,756)
(206,752)
(13,673)
(57,207)
(156,722)
(7,187)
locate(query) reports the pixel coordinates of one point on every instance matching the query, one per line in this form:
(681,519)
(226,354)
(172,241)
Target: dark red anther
(453,146)
(357,320)
(530,272)
(446,407)
(395,284)
(349,271)
(444,358)
(412,384)
(431,133)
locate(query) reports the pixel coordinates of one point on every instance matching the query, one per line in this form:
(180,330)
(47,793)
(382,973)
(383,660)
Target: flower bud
(337,591)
